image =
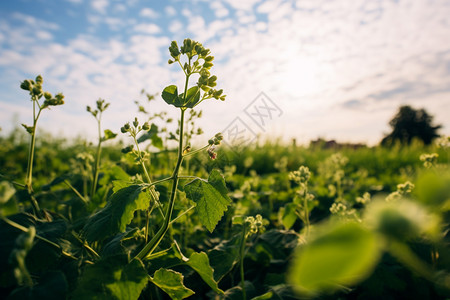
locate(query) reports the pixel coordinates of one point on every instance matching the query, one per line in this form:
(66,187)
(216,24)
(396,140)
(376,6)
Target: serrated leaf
(117,213)
(171,282)
(192,97)
(200,263)
(341,254)
(112,278)
(211,197)
(170,95)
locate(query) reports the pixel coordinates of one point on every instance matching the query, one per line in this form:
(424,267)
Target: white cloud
(175,26)
(33,22)
(149,13)
(170,11)
(100,5)
(242,5)
(219,9)
(148,28)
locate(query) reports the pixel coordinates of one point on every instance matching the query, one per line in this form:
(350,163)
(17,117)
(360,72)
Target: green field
(154,217)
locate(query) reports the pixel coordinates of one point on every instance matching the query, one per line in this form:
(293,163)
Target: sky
(290,69)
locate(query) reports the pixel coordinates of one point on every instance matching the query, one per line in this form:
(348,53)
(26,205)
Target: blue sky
(334,69)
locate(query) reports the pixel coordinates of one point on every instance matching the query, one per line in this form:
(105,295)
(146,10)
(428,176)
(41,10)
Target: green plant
(250,226)
(36,93)
(108,134)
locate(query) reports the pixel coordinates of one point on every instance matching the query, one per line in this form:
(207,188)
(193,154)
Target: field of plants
(159,218)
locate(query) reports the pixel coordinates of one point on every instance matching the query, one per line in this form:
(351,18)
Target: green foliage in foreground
(269,222)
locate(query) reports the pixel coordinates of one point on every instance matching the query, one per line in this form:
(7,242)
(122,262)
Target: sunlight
(300,77)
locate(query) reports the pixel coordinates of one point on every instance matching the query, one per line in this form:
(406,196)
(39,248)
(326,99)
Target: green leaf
(170,95)
(200,263)
(171,282)
(224,256)
(192,97)
(288,215)
(112,278)
(117,213)
(340,254)
(211,198)
(108,135)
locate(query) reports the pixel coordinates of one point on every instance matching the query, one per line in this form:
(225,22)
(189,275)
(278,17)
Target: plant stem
(29,177)
(97,156)
(154,242)
(75,191)
(305,204)
(241,256)
(196,151)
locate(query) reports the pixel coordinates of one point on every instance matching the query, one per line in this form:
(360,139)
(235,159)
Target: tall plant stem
(97,157)
(29,176)
(305,204)
(154,242)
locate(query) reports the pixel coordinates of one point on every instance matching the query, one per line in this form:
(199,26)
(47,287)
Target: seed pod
(37,90)
(39,80)
(127,149)
(207,65)
(26,85)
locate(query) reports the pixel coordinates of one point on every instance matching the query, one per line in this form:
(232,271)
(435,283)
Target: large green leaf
(170,95)
(112,278)
(341,254)
(117,213)
(224,256)
(200,263)
(192,97)
(171,282)
(211,198)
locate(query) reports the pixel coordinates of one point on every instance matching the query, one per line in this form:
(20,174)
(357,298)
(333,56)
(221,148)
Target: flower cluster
(199,61)
(364,199)
(36,92)
(101,107)
(212,145)
(429,160)
(255,224)
(133,131)
(302,175)
(403,190)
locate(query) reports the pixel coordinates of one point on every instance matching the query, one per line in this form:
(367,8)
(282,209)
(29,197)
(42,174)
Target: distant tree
(410,123)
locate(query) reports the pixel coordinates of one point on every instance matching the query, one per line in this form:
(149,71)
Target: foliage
(410,123)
